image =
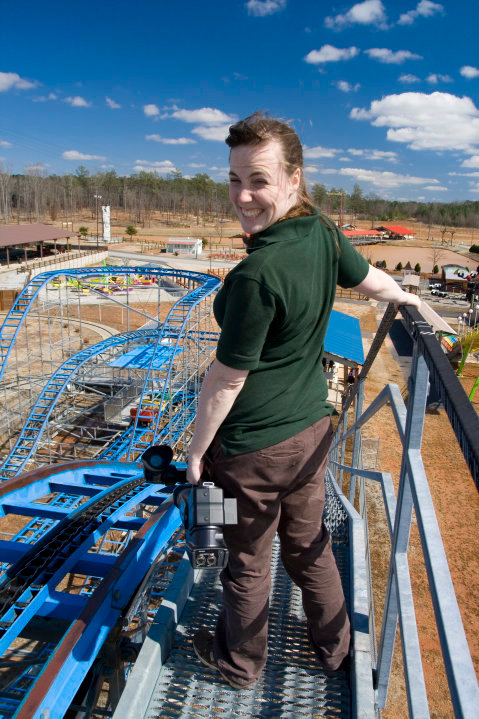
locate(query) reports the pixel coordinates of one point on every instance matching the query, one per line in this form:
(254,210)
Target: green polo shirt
(273,311)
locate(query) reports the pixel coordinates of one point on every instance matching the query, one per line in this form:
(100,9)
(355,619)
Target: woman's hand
(195,469)
(409,299)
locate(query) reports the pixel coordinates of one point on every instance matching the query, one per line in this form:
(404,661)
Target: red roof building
(396,231)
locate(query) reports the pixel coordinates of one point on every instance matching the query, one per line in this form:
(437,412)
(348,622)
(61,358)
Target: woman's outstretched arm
(380,286)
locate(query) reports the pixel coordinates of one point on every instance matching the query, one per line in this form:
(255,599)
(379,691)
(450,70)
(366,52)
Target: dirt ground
(456,503)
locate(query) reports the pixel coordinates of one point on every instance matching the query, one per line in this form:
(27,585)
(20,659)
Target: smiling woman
(263,425)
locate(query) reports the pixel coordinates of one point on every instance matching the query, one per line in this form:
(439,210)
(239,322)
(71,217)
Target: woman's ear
(296,179)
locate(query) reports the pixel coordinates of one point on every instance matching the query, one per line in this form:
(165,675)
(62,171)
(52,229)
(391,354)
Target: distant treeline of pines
(37,197)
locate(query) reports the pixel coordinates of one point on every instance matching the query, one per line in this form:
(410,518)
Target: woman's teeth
(251,213)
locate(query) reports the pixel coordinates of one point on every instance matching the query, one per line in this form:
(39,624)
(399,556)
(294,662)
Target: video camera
(203,508)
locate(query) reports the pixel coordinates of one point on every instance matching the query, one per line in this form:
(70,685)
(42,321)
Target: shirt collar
(280,231)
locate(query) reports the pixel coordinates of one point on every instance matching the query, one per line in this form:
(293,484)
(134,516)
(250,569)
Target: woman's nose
(245,195)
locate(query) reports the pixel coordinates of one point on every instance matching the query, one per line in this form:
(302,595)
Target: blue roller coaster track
(96,554)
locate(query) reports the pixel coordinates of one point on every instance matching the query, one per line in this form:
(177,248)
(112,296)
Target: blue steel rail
(173,328)
(24,302)
(51,393)
(87,619)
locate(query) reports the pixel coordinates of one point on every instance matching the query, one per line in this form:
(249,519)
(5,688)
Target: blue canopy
(343,338)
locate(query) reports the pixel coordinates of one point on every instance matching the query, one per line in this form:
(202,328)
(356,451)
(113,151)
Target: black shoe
(203,646)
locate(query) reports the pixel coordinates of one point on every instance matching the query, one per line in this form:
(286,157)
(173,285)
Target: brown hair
(257,128)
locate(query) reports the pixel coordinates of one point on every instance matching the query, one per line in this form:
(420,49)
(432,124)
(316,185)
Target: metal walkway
(169,681)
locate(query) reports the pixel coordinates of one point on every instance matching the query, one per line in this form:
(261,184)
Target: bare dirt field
(456,502)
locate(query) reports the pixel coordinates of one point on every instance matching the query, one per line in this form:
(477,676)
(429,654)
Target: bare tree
(5,180)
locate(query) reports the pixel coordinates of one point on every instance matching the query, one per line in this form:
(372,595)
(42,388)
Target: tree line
(39,197)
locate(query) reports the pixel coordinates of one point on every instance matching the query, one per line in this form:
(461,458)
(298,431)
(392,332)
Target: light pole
(97,197)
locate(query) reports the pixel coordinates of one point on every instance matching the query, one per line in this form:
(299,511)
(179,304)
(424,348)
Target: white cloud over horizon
(5,143)
(158,166)
(469,72)
(112,104)
(314,153)
(204,116)
(345,86)
(385,55)
(261,8)
(385,179)
(329,53)
(374,155)
(77,101)
(171,140)
(369,12)
(425,8)
(436,121)
(409,78)
(217,133)
(9,80)
(75,155)
(151,110)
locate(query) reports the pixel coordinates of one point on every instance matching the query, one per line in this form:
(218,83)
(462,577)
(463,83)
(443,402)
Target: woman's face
(260,188)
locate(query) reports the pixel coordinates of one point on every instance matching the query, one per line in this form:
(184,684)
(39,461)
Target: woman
(263,423)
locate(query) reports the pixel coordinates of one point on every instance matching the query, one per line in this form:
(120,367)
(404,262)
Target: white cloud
(204,116)
(329,53)
(425,8)
(433,78)
(311,169)
(383,54)
(217,133)
(471,162)
(9,80)
(474,188)
(409,78)
(75,155)
(384,179)
(436,188)
(4,143)
(36,169)
(313,153)
(469,72)
(463,174)
(369,12)
(196,164)
(374,155)
(171,140)
(439,121)
(260,8)
(151,110)
(345,86)
(45,98)
(77,101)
(111,103)
(160,167)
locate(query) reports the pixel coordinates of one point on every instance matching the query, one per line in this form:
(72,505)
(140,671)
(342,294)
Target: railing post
(399,590)
(341,449)
(357,439)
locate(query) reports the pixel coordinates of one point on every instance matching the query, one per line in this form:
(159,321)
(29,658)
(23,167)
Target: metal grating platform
(292,684)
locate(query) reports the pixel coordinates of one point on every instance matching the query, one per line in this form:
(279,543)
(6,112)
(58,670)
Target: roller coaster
(98,602)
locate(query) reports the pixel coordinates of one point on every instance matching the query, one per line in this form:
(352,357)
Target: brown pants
(278,489)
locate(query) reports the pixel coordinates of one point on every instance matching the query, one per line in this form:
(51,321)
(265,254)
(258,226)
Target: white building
(185,245)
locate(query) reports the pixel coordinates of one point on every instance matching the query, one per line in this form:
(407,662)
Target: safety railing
(430,367)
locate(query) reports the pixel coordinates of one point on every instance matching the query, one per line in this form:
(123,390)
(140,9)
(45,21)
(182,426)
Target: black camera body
(203,508)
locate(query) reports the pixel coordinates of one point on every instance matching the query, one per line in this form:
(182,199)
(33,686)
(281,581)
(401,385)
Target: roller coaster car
(145,416)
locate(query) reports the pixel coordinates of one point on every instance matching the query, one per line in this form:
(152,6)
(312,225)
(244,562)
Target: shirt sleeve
(250,309)
(352,267)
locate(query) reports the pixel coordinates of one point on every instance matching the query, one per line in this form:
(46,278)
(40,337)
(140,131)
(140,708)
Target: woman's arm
(380,286)
(220,388)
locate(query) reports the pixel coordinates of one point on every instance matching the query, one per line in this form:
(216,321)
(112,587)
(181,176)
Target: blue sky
(384,94)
